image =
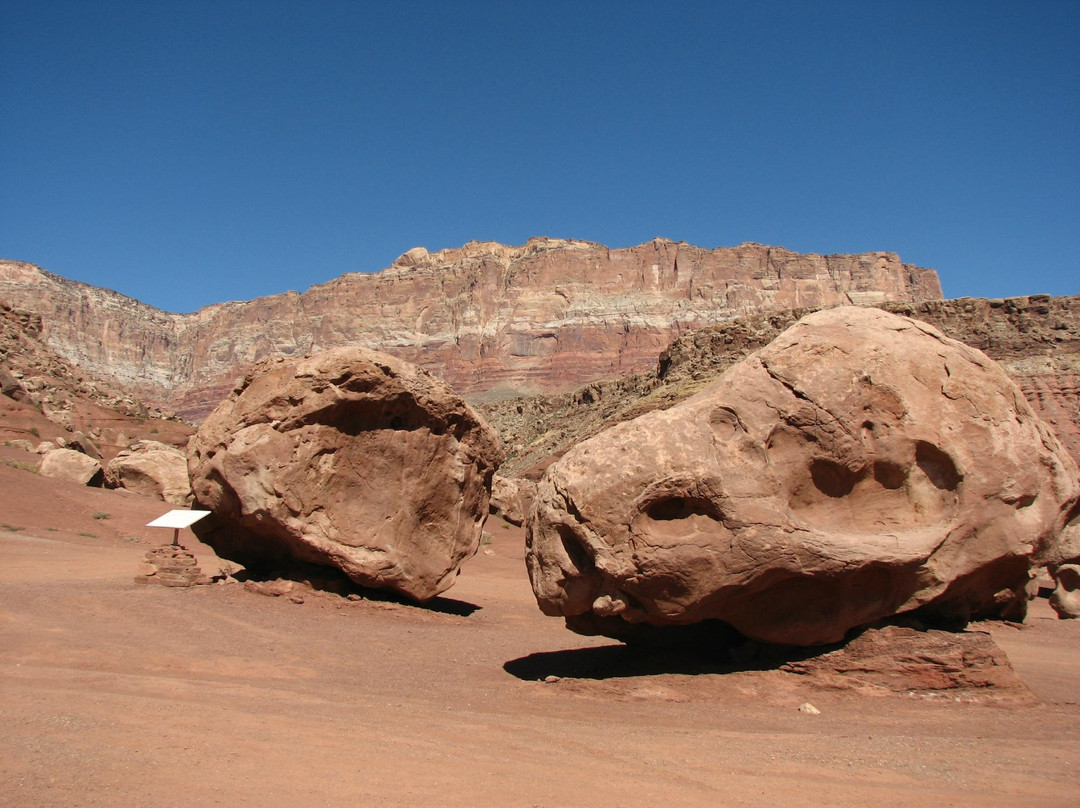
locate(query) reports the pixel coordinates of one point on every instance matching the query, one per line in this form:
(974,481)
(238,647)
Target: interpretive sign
(176,520)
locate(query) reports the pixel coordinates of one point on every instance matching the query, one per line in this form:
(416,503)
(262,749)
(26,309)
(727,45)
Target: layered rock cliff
(45,397)
(490,319)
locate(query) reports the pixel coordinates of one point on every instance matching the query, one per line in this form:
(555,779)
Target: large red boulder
(351,459)
(860,466)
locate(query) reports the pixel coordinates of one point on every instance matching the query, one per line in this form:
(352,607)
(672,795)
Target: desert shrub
(99,515)
(21,465)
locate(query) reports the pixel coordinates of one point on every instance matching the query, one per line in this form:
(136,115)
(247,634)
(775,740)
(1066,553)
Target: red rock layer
(548,316)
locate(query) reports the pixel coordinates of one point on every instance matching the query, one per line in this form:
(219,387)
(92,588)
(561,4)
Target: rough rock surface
(897,659)
(1066,596)
(860,466)
(151,468)
(1035,339)
(511,498)
(549,315)
(348,458)
(171,565)
(67,464)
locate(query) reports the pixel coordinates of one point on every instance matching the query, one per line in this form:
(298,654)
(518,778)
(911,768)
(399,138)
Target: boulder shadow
(623,661)
(712,647)
(329,581)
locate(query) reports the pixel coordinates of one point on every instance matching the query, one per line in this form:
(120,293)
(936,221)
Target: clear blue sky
(187,152)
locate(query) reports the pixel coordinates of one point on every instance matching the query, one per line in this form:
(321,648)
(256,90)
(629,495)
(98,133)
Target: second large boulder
(860,466)
(351,459)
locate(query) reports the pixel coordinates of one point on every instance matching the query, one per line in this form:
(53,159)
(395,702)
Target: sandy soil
(116,694)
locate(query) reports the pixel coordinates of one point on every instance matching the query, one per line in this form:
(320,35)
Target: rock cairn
(171,565)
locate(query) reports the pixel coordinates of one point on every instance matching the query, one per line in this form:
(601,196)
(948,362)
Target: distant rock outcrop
(860,466)
(547,316)
(351,459)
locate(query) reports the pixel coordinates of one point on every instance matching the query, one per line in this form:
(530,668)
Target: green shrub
(20,465)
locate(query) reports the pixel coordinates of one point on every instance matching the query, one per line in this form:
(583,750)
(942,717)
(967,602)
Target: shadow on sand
(618,661)
(330,581)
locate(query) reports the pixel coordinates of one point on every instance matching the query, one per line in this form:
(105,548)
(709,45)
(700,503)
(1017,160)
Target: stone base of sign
(171,565)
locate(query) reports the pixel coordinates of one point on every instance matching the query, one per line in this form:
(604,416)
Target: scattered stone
(860,466)
(271,589)
(67,464)
(351,459)
(809,709)
(552,679)
(170,565)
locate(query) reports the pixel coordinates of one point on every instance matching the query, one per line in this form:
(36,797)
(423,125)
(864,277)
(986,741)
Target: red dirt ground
(115,694)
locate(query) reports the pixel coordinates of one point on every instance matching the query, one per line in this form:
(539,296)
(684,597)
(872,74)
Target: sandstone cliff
(45,397)
(488,318)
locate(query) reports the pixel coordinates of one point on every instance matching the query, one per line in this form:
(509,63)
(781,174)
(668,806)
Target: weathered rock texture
(1065,599)
(153,469)
(348,458)
(67,464)
(861,466)
(1035,339)
(511,498)
(550,315)
(896,659)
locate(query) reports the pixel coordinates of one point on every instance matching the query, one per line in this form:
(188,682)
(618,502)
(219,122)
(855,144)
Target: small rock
(1065,599)
(552,678)
(809,709)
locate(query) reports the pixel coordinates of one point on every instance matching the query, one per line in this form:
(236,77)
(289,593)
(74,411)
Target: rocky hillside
(1036,339)
(492,320)
(43,397)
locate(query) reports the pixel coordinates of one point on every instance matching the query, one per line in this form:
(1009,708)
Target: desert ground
(119,694)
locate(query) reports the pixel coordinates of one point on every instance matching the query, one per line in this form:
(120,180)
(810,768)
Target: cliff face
(44,397)
(548,316)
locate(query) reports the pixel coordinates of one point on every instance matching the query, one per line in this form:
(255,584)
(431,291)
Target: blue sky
(190,152)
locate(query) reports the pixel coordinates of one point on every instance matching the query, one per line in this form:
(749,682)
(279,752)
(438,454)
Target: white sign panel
(178,519)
